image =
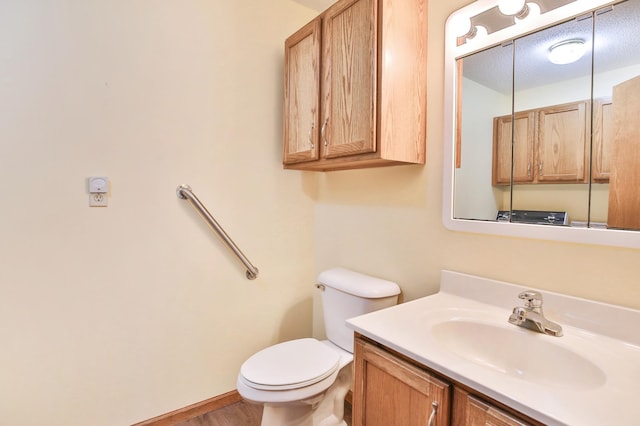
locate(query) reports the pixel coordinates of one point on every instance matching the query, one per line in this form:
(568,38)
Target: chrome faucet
(530,316)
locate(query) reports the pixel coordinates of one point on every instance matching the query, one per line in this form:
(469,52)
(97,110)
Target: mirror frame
(609,237)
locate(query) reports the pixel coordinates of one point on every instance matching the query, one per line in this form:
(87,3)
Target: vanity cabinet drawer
(390,391)
(472,411)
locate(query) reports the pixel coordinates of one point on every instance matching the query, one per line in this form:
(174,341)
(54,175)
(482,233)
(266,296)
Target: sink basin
(519,353)
(589,377)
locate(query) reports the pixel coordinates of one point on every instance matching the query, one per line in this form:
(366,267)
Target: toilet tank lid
(358,284)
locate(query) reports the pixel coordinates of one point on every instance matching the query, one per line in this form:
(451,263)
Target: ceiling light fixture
(567,52)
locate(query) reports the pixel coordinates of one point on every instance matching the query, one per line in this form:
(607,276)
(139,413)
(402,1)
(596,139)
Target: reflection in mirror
(551,104)
(486,93)
(616,136)
(538,132)
(526,132)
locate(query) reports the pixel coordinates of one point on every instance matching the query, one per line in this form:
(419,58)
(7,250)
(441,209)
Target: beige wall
(111,316)
(387,222)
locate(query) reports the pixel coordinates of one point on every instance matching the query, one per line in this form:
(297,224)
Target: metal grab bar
(184,192)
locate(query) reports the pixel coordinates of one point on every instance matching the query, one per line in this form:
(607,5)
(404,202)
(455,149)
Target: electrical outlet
(98,200)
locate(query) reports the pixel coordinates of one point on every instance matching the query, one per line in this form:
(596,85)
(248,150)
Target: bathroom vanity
(454,358)
(421,396)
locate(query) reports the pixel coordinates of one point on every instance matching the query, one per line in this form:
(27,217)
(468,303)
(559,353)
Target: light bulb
(511,7)
(533,11)
(480,32)
(461,25)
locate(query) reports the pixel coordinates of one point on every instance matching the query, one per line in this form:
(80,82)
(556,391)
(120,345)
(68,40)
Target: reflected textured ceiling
(617,44)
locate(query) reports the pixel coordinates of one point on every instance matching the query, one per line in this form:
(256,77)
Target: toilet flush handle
(320,286)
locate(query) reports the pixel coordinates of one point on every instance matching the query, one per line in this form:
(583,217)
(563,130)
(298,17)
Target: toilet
(304,382)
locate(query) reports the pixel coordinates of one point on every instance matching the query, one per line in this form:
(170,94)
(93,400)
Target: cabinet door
(561,143)
(624,184)
(602,139)
(349,84)
(471,411)
(301,94)
(390,391)
(523,148)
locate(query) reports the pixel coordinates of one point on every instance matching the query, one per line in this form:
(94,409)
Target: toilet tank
(347,294)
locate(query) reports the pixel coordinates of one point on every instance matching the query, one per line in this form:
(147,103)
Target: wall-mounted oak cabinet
(355,87)
(301,94)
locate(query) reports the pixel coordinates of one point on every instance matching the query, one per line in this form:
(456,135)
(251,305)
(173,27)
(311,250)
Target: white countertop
(598,334)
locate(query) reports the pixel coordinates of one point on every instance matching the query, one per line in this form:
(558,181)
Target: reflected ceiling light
(517,8)
(567,51)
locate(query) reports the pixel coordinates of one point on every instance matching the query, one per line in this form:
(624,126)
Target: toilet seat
(290,365)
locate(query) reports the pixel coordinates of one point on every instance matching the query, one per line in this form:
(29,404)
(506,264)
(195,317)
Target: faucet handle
(532,299)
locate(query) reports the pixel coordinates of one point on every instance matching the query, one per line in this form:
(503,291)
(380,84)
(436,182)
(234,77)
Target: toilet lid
(290,365)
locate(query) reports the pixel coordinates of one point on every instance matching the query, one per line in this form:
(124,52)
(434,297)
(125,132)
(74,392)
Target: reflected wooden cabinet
(562,143)
(523,146)
(624,193)
(602,139)
(355,87)
(389,389)
(550,145)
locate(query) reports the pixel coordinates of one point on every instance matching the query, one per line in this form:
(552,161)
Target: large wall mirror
(542,128)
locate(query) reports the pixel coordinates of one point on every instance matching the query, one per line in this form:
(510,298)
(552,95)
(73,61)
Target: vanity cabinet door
(301,94)
(471,411)
(390,391)
(523,148)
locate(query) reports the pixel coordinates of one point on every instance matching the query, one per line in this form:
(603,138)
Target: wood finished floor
(240,414)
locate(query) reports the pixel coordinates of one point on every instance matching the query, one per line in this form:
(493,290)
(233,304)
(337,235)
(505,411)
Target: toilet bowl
(304,382)
(293,378)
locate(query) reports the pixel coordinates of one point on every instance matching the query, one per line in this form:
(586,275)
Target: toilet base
(326,409)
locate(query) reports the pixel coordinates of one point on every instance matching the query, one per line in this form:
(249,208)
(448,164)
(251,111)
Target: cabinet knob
(434,411)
